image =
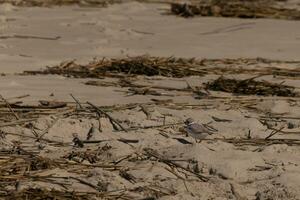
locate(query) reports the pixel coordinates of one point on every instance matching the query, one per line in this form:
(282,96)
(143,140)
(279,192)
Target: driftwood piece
(52,104)
(29,37)
(100,141)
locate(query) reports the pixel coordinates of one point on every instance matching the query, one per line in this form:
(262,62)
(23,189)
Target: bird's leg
(195,140)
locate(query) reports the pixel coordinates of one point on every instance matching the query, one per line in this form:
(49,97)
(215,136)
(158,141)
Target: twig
(171,170)
(235,193)
(69,177)
(32,137)
(29,37)
(146,111)
(85,183)
(21,121)
(151,152)
(256,142)
(9,107)
(155,126)
(47,129)
(100,125)
(121,159)
(19,97)
(274,132)
(77,102)
(107,115)
(100,141)
(127,140)
(278,117)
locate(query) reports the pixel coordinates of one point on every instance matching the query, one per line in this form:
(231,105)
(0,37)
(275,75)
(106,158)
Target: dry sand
(135,29)
(234,172)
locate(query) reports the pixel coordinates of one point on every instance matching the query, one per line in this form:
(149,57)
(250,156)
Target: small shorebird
(197,131)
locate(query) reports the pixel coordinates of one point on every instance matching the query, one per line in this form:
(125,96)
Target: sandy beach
(83,121)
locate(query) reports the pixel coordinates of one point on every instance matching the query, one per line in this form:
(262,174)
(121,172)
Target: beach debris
(273,133)
(235,8)
(184,10)
(140,65)
(41,193)
(47,3)
(112,120)
(91,132)
(9,107)
(250,87)
(24,162)
(153,158)
(216,119)
(146,91)
(52,104)
(124,173)
(169,67)
(152,153)
(257,141)
(29,37)
(77,102)
(77,142)
(92,156)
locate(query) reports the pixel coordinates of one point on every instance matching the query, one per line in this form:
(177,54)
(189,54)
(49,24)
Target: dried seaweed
(250,87)
(28,166)
(89,155)
(47,3)
(38,193)
(40,163)
(141,65)
(259,141)
(101,160)
(171,67)
(152,153)
(235,8)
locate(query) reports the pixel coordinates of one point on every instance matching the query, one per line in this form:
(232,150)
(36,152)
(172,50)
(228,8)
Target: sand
(135,29)
(34,37)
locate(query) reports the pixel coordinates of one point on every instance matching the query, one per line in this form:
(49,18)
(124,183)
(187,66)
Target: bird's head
(189,121)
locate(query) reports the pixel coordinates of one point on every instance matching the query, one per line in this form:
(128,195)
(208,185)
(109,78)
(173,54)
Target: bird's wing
(198,128)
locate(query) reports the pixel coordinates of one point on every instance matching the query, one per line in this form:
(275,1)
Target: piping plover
(195,130)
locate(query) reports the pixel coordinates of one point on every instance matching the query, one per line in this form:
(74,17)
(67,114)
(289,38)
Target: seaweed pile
(141,65)
(38,193)
(42,3)
(235,8)
(250,87)
(171,67)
